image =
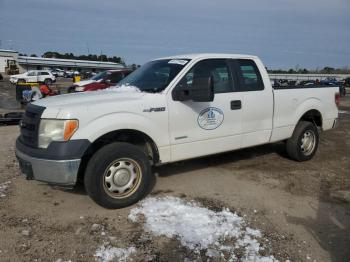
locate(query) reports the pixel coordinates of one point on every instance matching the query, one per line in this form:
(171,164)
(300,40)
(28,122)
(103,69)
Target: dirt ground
(302,208)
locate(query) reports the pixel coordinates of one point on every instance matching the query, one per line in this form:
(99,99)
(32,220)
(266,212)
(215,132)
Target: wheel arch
(313,116)
(132,136)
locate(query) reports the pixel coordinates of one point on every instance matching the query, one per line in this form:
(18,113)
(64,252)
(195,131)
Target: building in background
(26,63)
(8,59)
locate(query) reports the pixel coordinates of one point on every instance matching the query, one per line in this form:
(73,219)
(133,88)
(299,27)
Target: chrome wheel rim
(122,178)
(308,142)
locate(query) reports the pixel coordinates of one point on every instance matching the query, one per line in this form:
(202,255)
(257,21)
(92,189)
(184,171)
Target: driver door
(203,128)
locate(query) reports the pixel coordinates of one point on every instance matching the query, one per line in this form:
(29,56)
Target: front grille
(30,125)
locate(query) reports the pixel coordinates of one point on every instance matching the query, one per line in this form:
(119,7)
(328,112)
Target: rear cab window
(249,75)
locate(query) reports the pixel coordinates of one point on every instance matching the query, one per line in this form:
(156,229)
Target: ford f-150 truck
(170,109)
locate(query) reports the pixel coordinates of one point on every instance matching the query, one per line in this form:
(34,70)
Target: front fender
(156,130)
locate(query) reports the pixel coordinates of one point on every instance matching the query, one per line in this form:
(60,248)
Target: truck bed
(291,103)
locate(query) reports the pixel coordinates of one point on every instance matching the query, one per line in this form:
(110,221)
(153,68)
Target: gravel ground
(301,209)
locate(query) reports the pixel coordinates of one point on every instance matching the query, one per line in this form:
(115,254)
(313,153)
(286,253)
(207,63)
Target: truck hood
(89,99)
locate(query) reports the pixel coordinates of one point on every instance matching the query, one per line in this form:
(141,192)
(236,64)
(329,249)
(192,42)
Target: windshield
(154,76)
(99,76)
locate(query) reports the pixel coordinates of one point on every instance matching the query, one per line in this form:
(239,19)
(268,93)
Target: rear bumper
(60,172)
(330,123)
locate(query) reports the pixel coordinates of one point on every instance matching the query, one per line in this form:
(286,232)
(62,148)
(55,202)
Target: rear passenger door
(257,103)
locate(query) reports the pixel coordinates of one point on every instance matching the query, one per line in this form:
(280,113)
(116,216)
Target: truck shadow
(331,225)
(220,159)
(200,163)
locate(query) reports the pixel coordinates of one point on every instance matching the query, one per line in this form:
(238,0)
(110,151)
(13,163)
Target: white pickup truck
(168,110)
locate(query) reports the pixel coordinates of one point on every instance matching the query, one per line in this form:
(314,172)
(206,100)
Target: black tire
(47,81)
(296,149)
(100,166)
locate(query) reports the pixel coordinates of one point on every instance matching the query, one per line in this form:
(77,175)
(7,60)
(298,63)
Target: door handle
(236,104)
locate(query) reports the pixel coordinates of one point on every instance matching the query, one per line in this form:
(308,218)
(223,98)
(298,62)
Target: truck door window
(249,75)
(31,73)
(215,68)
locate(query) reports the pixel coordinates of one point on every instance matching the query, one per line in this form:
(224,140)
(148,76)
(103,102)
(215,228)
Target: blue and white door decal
(210,118)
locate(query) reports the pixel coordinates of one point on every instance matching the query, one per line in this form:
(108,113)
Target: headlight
(79,88)
(56,130)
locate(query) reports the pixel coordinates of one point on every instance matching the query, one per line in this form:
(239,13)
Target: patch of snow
(124,89)
(3,188)
(199,228)
(107,254)
(343,112)
(61,260)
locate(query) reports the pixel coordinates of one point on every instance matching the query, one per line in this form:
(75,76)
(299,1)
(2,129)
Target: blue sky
(284,33)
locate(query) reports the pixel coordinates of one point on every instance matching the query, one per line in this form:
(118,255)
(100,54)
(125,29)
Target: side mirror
(180,93)
(202,89)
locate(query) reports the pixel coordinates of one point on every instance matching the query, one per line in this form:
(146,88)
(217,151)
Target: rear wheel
(118,175)
(303,145)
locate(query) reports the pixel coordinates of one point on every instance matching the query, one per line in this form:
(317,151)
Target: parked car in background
(100,81)
(40,76)
(332,81)
(329,81)
(71,74)
(58,72)
(347,82)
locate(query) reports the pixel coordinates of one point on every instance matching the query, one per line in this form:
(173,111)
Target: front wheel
(303,144)
(118,175)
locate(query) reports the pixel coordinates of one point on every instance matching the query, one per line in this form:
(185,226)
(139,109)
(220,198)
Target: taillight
(337,99)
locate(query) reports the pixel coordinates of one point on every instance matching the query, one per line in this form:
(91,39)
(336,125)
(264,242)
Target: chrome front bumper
(60,172)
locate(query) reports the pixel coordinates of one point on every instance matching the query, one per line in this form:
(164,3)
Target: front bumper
(60,172)
(57,164)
